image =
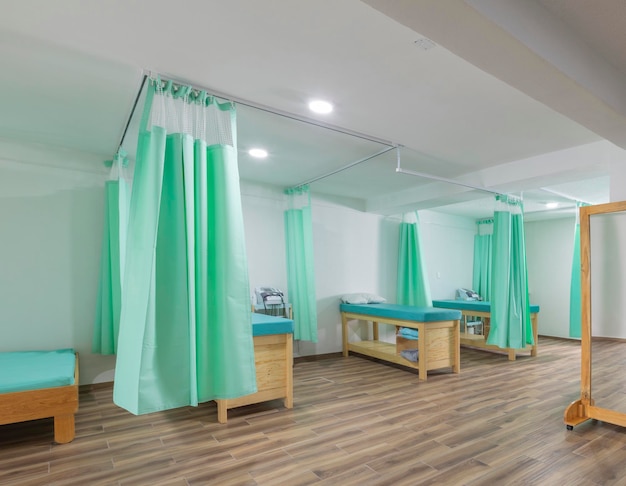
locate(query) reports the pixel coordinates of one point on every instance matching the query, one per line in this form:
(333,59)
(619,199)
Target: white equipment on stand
(271,301)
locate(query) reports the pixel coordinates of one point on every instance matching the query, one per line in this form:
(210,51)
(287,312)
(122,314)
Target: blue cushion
(472,305)
(31,370)
(406,312)
(263,325)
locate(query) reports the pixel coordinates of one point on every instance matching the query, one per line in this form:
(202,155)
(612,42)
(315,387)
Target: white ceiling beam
(561,75)
(566,165)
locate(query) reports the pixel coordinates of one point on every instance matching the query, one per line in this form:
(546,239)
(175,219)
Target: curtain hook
(168,87)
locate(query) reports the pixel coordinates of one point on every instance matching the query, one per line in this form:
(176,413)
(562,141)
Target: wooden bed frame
(438,345)
(60,402)
(273,356)
(482,310)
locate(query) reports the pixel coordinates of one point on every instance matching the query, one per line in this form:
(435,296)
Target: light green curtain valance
(185,333)
(300,263)
(510,310)
(412,285)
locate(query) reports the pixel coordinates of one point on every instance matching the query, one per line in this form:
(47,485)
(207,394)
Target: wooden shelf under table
(438,345)
(480,340)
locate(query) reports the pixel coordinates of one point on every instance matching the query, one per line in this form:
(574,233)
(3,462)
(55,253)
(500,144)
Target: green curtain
(108,303)
(510,311)
(300,266)
(109,298)
(185,332)
(575,297)
(481,278)
(412,286)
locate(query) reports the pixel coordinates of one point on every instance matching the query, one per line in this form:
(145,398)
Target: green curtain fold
(109,298)
(483,244)
(510,310)
(300,263)
(108,303)
(412,284)
(185,333)
(575,297)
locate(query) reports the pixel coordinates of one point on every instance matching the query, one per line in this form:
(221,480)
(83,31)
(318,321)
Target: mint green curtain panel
(109,299)
(510,312)
(185,333)
(481,277)
(300,263)
(412,286)
(575,296)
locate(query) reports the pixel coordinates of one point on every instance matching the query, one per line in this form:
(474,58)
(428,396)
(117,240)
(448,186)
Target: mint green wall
(549,252)
(51,225)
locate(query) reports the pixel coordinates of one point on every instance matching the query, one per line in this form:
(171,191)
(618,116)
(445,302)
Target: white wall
(617,161)
(608,274)
(265,236)
(550,246)
(549,253)
(51,228)
(449,250)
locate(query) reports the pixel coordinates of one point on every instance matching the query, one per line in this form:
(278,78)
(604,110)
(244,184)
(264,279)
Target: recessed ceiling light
(552,205)
(258,153)
(320,106)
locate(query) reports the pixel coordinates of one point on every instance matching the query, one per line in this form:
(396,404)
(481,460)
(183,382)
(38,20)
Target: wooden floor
(355,422)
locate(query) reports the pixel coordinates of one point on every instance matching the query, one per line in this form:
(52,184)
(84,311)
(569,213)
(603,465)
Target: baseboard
(317,357)
(104,385)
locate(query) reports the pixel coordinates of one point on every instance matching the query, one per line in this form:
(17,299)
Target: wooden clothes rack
(584,408)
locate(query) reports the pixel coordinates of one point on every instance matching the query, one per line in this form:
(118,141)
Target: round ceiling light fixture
(320,106)
(552,205)
(258,153)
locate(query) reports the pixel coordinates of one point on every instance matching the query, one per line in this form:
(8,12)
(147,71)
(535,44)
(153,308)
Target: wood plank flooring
(355,422)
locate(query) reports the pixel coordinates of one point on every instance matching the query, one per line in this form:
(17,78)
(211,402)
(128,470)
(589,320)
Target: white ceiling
(515,96)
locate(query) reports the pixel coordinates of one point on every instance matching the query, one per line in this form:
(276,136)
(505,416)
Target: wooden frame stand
(584,408)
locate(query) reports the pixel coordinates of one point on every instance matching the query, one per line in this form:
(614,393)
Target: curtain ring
(181,92)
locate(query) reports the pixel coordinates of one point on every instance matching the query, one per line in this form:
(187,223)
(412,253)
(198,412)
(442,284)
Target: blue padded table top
(406,312)
(472,305)
(32,370)
(263,325)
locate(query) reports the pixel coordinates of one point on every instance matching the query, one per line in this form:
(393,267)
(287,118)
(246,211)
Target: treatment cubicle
(482,310)
(438,344)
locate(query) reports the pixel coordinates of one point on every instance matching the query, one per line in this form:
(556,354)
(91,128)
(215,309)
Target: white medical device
(466,294)
(269,296)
